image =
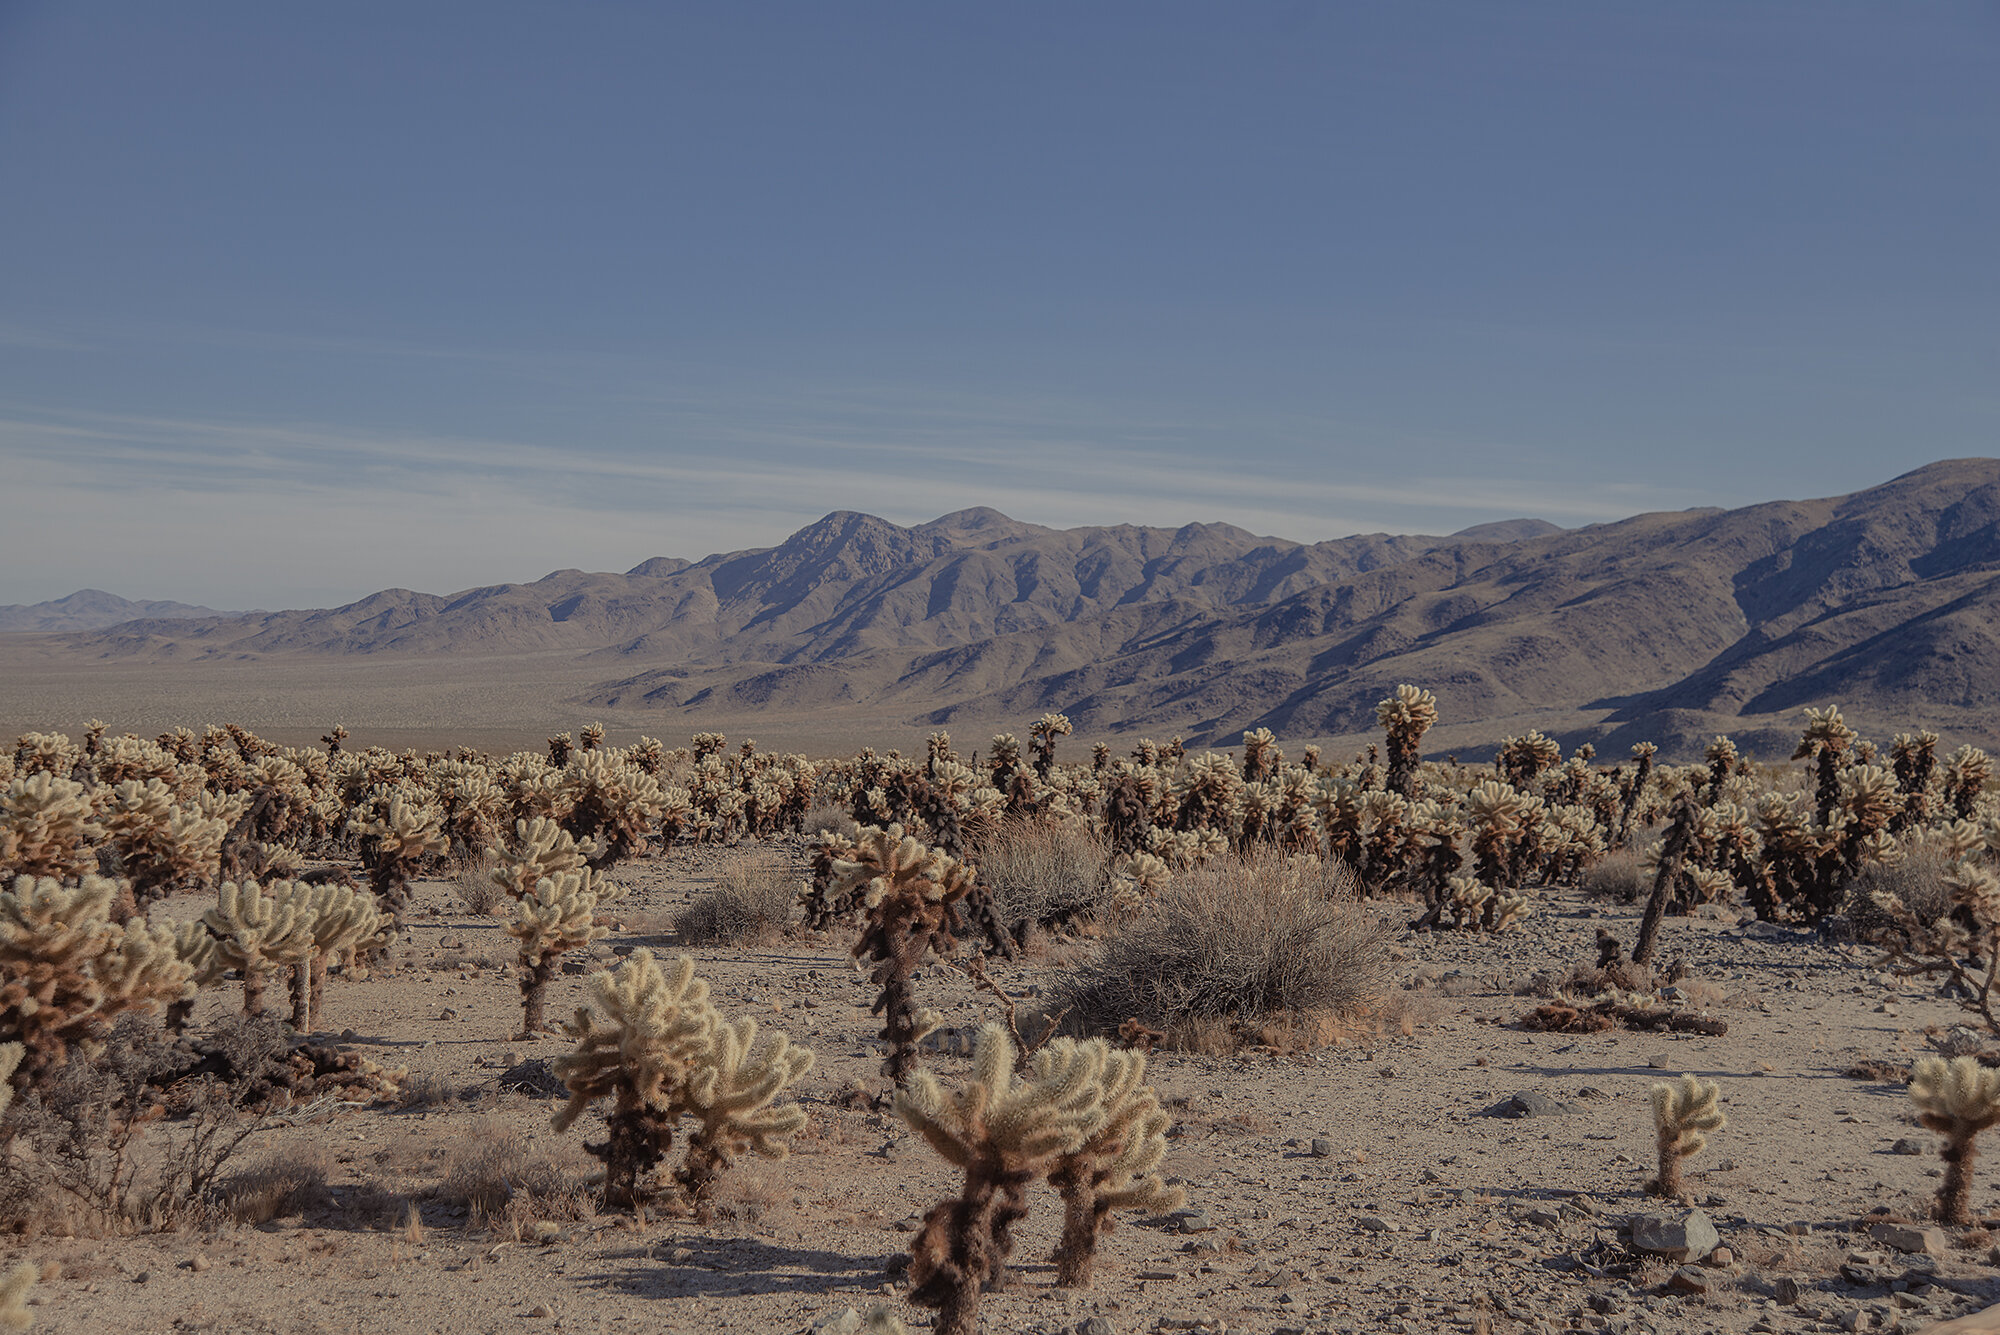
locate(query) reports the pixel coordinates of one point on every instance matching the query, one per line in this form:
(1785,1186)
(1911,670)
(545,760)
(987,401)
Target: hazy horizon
(324,302)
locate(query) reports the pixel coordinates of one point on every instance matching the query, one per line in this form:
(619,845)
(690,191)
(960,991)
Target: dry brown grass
(1233,945)
(477,890)
(491,1172)
(284,1182)
(1616,875)
(1043,872)
(752,906)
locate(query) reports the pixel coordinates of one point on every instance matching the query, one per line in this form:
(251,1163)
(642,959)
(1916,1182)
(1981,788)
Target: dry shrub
(491,1172)
(751,906)
(1233,944)
(1917,879)
(832,820)
(1617,875)
(284,1182)
(95,1147)
(477,889)
(1043,871)
(428,1090)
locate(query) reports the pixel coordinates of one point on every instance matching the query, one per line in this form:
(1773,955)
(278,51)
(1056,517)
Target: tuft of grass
(831,820)
(428,1090)
(492,1173)
(1617,875)
(1232,946)
(284,1182)
(751,906)
(1917,878)
(1044,872)
(478,891)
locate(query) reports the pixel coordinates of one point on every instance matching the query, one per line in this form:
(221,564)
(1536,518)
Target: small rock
(1785,1290)
(1095,1325)
(1659,1061)
(1909,1238)
(574,967)
(1545,1218)
(1720,1258)
(1192,1221)
(844,1322)
(199,1264)
(1689,1279)
(1159,1274)
(142,1277)
(1606,1304)
(1322,1148)
(1907,1146)
(1375,1224)
(1528,1103)
(541,1309)
(1688,1237)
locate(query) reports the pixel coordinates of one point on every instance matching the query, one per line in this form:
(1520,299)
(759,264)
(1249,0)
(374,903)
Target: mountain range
(1664,626)
(93,609)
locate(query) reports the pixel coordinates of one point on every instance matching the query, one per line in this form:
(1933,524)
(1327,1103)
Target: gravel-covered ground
(1360,1187)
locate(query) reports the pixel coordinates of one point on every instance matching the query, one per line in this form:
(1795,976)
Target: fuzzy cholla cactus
(46,827)
(259,931)
(161,845)
(1958,1100)
(1114,1167)
(660,1028)
(1684,1111)
(907,890)
(559,915)
(539,849)
(732,1092)
(346,926)
(393,845)
(66,971)
(1003,1134)
(1406,716)
(1476,906)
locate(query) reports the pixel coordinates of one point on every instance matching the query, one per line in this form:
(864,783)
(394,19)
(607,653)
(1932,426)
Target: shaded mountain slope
(1672,624)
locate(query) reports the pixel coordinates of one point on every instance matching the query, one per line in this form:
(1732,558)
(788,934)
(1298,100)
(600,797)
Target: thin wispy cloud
(270,513)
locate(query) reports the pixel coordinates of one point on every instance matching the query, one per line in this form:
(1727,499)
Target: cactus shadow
(737,1267)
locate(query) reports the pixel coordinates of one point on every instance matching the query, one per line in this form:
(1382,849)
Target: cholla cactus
(46,827)
(260,932)
(557,916)
(731,1091)
(1042,734)
(1958,1100)
(541,849)
(393,846)
(1683,1111)
(66,971)
(907,890)
(347,925)
(161,845)
(660,1028)
(1114,1167)
(1476,906)
(1004,1134)
(1405,717)
(610,803)
(10,1062)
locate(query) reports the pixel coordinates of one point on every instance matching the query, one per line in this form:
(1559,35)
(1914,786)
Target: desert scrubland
(1040,1035)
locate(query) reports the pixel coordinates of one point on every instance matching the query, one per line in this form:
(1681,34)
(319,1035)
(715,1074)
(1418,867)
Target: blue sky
(305,301)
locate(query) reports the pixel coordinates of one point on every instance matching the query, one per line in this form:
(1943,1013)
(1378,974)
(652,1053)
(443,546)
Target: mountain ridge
(1679,622)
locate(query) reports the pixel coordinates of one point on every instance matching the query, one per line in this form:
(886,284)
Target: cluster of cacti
(67,970)
(1081,1118)
(660,1051)
(259,930)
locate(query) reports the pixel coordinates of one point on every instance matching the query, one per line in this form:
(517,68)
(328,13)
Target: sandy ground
(509,703)
(1413,1212)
